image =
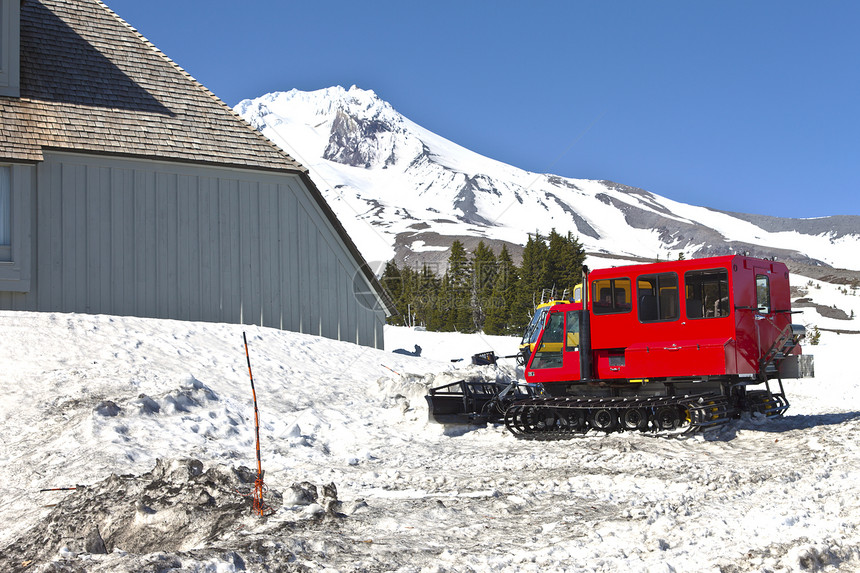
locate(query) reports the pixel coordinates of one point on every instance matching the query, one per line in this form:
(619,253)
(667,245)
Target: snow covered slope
(360,481)
(404,191)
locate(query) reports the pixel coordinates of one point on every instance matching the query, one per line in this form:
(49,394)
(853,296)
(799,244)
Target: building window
(10,39)
(5,213)
(15,247)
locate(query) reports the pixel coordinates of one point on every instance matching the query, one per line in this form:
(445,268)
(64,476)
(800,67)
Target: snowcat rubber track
(568,417)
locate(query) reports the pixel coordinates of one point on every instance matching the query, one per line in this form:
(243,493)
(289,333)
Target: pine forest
(484,291)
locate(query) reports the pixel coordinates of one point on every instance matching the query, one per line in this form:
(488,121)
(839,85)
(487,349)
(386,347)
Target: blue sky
(735,105)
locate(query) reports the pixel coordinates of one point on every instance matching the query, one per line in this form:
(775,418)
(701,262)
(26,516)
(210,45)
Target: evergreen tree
(815,337)
(459,271)
(533,278)
(392,282)
(407,305)
(484,292)
(456,291)
(535,266)
(574,261)
(484,272)
(504,296)
(426,296)
(445,312)
(566,256)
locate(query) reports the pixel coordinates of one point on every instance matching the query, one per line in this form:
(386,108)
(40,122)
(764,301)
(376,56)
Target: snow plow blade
(471,402)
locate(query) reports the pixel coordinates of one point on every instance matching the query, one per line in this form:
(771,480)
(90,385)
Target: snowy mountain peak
(404,192)
(364,141)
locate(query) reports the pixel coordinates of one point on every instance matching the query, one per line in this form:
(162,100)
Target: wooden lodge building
(127,188)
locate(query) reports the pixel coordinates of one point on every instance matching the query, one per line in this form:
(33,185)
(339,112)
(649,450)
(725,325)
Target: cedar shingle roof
(91,83)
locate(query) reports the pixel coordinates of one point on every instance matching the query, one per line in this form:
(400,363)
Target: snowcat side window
(658,297)
(762,293)
(554,328)
(610,296)
(548,354)
(571,339)
(707,293)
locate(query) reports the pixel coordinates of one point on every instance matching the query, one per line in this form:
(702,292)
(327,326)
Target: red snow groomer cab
(667,347)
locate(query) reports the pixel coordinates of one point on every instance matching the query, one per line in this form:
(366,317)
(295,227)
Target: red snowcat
(669,347)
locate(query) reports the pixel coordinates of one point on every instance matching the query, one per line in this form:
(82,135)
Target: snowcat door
(766,330)
(556,354)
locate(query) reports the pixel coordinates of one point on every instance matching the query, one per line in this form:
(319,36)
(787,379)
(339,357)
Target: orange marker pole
(258,483)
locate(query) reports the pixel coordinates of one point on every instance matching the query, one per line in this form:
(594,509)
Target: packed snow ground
(85,397)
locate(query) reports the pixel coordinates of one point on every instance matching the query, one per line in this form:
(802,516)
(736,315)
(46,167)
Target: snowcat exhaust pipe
(585,331)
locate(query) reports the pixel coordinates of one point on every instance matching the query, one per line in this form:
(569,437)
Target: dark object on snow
(488,358)
(484,358)
(147,405)
(107,409)
(416,352)
(157,516)
(177,502)
(94,542)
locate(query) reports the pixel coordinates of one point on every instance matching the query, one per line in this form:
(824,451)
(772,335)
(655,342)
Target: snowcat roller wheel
(634,419)
(555,420)
(577,421)
(542,419)
(513,420)
(667,418)
(603,419)
(767,404)
(537,419)
(527,419)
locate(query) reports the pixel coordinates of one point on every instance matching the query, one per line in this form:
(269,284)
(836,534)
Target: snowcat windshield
(533,330)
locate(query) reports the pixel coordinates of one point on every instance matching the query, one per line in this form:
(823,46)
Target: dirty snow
(98,400)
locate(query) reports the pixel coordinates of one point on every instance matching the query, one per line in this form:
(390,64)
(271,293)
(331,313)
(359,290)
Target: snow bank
(85,398)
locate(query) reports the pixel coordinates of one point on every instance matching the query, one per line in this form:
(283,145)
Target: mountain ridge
(406,193)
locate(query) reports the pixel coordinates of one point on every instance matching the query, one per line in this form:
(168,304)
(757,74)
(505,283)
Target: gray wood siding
(183,242)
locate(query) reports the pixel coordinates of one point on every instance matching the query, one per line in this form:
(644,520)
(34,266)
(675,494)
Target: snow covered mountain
(405,192)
